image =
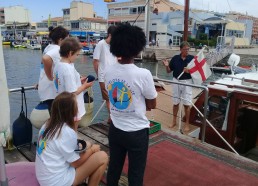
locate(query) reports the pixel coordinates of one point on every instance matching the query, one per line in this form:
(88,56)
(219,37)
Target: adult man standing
(178,65)
(103,58)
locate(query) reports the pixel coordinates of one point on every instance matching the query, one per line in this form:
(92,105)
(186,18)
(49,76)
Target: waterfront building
(55,21)
(87,28)
(134,11)
(77,10)
(170,25)
(239,16)
(17,21)
(19,14)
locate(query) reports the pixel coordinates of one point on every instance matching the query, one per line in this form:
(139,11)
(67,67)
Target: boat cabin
(233,111)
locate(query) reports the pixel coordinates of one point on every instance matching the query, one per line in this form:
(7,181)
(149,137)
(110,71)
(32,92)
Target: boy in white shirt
(66,77)
(103,59)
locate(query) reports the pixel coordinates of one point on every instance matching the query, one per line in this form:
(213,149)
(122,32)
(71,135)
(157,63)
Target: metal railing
(24,88)
(204,115)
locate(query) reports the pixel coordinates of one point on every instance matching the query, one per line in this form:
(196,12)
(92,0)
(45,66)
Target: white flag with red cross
(199,69)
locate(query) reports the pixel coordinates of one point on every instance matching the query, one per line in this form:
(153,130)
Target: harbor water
(22,70)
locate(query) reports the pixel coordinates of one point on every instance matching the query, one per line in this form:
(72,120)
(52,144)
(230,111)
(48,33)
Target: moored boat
(6,42)
(33,45)
(232,111)
(17,44)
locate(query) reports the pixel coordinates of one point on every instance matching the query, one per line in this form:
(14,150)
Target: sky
(40,10)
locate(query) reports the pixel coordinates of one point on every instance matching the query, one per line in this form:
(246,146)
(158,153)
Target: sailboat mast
(147,20)
(186,15)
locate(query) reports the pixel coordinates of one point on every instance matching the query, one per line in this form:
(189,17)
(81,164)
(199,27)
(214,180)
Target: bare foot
(186,128)
(172,125)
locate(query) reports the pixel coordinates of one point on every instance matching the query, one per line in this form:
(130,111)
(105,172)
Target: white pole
(5,116)
(147,20)
(3,178)
(104,102)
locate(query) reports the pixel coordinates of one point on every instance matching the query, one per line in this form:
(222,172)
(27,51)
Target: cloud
(224,6)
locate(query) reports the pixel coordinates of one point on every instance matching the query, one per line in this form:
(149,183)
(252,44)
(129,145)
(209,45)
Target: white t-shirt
(128,86)
(46,87)
(103,54)
(53,158)
(66,78)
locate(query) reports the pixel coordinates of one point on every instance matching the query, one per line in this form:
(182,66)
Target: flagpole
(180,75)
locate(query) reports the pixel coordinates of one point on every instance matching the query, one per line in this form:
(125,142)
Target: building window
(111,11)
(176,40)
(141,9)
(125,11)
(67,12)
(117,11)
(236,33)
(75,25)
(133,10)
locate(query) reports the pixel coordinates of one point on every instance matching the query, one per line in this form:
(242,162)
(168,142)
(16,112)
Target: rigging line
(141,12)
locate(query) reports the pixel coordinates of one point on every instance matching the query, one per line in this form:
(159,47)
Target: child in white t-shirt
(131,92)
(57,163)
(66,77)
(51,56)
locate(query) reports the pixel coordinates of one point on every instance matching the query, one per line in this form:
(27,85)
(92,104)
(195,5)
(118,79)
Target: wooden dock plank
(28,151)
(92,141)
(14,155)
(96,135)
(100,128)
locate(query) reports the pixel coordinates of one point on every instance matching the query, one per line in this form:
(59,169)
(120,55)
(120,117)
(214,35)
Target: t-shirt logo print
(119,94)
(56,81)
(41,145)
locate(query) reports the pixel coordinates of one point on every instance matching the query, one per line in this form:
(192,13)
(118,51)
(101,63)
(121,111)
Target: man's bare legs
(175,111)
(105,97)
(187,115)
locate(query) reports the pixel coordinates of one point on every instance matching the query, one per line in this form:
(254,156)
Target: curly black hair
(127,41)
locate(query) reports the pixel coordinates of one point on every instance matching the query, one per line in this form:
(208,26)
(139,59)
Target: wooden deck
(170,160)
